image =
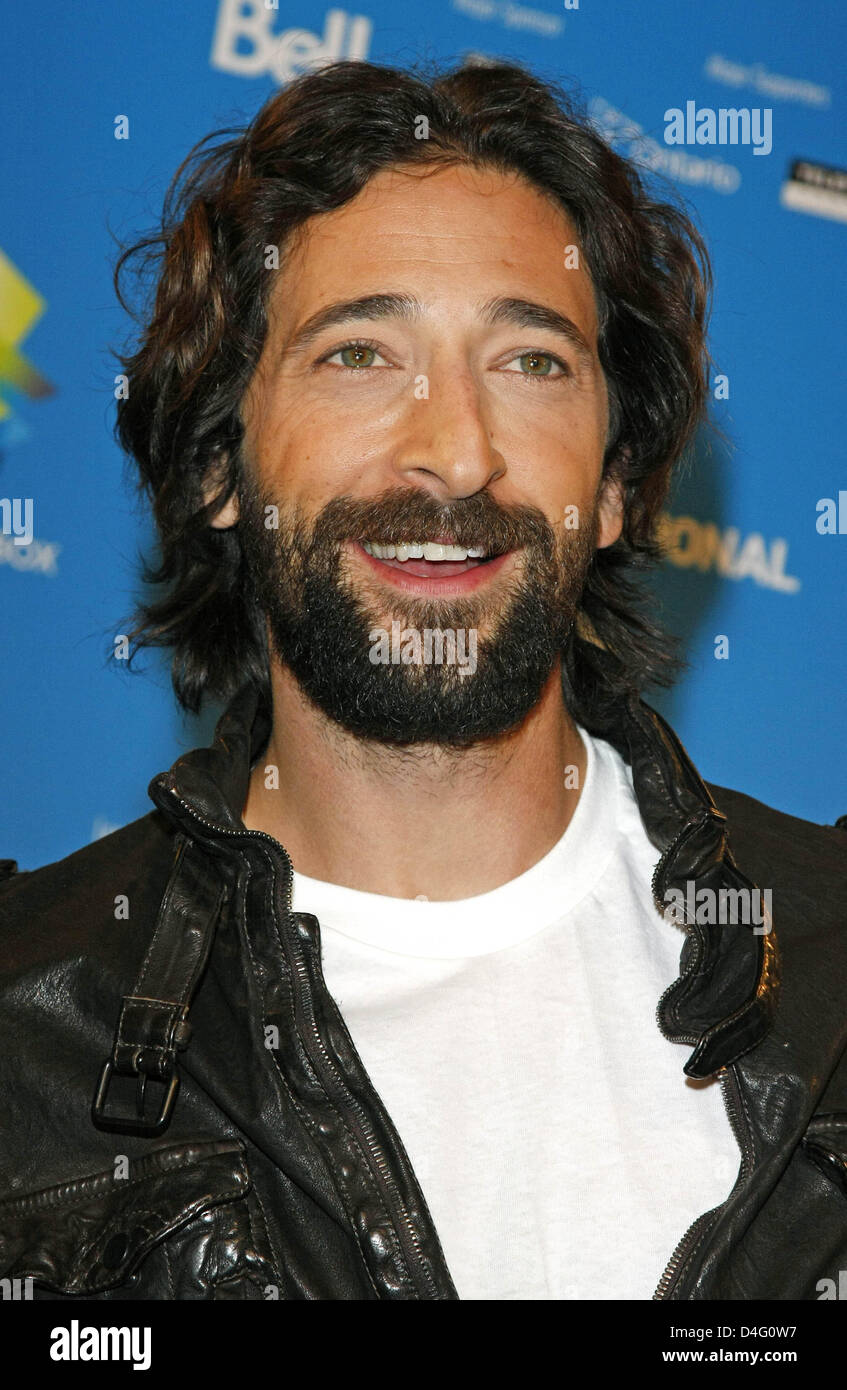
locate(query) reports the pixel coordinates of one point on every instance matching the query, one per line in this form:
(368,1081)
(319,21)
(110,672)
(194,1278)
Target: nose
(446,447)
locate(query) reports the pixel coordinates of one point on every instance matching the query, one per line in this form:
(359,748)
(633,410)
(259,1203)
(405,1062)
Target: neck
(427,821)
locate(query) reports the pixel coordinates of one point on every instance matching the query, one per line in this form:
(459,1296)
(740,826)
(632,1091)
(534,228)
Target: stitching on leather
(25,1201)
(179,859)
(831,1121)
(742,1052)
(211,922)
(652,759)
(254,1243)
(101,1238)
(751,1137)
(168,1270)
(89,1196)
(277,1266)
(726,1025)
(184,867)
(186,1214)
(147,999)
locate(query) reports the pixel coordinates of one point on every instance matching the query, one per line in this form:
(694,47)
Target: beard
(322,622)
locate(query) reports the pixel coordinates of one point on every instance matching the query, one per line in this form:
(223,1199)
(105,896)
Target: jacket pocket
(182,1224)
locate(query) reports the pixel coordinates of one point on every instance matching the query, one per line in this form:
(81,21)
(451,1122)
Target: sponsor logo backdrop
(100,102)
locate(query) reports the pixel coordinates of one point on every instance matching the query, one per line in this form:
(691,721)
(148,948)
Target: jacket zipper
(677,1259)
(676,1263)
(729,1092)
(364,1131)
(361,1124)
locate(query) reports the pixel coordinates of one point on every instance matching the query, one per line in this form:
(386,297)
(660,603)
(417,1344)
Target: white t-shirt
(513,1040)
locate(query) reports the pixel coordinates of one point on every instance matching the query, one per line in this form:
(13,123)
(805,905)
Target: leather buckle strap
(139,1123)
(153,1022)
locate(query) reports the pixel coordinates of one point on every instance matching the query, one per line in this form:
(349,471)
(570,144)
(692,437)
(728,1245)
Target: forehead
(450,232)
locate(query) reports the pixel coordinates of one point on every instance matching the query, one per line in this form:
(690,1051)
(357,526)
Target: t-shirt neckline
(490,921)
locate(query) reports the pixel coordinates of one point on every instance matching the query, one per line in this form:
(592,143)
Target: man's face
(445,412)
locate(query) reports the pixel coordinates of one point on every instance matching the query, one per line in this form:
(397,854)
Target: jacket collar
(213,782)
(724,997)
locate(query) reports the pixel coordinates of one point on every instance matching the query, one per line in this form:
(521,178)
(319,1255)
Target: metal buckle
(138,1124)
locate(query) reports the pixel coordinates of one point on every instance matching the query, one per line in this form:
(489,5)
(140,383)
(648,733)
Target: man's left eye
(539,364)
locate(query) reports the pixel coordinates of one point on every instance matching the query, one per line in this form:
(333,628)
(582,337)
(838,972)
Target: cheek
(559,463)
(565,417)
(308,455)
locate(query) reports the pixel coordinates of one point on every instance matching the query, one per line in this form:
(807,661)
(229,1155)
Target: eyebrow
(522,313)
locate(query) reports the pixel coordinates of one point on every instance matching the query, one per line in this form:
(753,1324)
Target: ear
(228,515)
(611,504)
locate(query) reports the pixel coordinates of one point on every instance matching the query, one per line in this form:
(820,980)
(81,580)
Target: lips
(433,578)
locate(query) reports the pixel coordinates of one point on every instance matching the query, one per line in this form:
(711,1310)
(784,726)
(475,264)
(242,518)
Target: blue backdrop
(757,546)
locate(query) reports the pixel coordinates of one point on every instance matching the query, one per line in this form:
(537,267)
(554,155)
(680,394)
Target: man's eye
(354,356)
(539,364)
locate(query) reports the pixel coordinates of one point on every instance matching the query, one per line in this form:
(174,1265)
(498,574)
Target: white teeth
(380,552)
(422,550)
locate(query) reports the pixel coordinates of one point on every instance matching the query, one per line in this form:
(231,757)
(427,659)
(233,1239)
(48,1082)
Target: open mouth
(433,560)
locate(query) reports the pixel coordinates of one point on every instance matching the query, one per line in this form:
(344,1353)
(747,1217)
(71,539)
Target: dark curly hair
(311,148)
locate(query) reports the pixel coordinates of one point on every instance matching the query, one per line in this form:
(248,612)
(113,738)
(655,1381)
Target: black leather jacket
(258,1170)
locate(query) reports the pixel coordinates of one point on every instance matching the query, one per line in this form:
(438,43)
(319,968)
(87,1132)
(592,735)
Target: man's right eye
(354,355)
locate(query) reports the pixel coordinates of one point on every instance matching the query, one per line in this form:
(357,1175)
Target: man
(366,1007)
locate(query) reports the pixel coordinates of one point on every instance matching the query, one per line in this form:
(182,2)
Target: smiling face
(429,386)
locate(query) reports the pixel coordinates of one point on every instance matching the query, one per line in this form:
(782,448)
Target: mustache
(404,514)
